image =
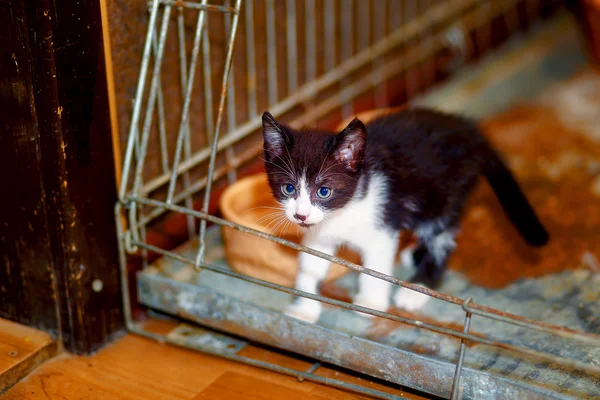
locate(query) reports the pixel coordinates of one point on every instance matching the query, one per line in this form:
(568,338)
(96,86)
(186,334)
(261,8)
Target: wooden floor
(21,350)
(137,368)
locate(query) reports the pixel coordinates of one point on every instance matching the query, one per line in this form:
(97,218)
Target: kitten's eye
(323,192)
(288,189)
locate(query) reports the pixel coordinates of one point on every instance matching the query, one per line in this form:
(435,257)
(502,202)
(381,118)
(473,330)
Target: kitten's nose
(300,217)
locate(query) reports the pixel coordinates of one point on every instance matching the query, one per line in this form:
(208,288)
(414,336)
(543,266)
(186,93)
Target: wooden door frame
(59,270)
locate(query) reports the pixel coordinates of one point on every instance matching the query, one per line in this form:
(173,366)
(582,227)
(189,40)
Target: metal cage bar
(213,154)
(469,307)
(461,351)
(436,15)
(186,104)
(187,144)
(231,113)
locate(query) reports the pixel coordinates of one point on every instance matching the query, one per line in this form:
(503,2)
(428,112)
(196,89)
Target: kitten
(410,170)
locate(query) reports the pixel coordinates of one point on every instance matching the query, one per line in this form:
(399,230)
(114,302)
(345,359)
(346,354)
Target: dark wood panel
(79,170)
(27,266)
(63,173)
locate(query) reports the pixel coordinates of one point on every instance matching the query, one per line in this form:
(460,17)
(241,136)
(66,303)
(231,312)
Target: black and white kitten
(410,170)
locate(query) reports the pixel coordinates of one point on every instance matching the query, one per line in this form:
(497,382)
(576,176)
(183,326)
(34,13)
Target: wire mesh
(427,26)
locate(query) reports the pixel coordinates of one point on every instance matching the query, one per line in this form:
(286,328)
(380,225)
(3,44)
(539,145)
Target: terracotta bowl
(247,202)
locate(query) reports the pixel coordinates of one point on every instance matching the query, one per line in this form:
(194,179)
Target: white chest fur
(358,224)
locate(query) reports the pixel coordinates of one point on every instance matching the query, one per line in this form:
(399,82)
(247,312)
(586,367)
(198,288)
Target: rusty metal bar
(461,352)
(375,77)
(160,105)
(231,114)
(123,272)
(187,144)
(592,369)
(185,113)
(137,105)
(146,127)
(436,15)
(213,154)
(559,331)
(313,368)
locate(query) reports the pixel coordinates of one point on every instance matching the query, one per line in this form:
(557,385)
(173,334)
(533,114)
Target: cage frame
(130,237)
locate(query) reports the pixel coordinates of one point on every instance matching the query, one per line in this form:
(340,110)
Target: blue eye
(323,192)
(288,189)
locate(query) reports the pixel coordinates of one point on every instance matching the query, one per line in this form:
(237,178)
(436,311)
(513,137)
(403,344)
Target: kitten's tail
(513,200)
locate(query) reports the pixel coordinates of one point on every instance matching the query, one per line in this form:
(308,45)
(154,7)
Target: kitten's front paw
(304,310)
(410,300)
(374,302)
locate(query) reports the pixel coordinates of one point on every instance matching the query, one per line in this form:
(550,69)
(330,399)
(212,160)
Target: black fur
(432,162)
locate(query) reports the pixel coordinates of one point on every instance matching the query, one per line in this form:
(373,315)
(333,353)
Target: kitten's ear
(274,135)
(351,144)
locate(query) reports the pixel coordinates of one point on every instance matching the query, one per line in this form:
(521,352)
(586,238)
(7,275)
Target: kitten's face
(311,173)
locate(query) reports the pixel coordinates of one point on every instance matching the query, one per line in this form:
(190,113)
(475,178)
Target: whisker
(281,218)
(286,172)
(288,166)
(274,229)
(269,216)
(267,228)
(289,156)
(323,163)
(265,207)
(283,227)
(264,218)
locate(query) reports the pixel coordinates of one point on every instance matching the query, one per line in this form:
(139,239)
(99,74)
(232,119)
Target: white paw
(304,310)
(410,300)
(406,257)
(378,303)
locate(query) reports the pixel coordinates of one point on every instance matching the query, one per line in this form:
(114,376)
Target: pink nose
(300,217)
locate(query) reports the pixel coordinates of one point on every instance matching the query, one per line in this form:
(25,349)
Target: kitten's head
(313,173)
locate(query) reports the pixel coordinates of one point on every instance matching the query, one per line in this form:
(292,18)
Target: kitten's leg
(411,256)
(430,258)
(378,255)
(311,271)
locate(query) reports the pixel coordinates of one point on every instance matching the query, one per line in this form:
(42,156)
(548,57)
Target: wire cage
(207,70)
